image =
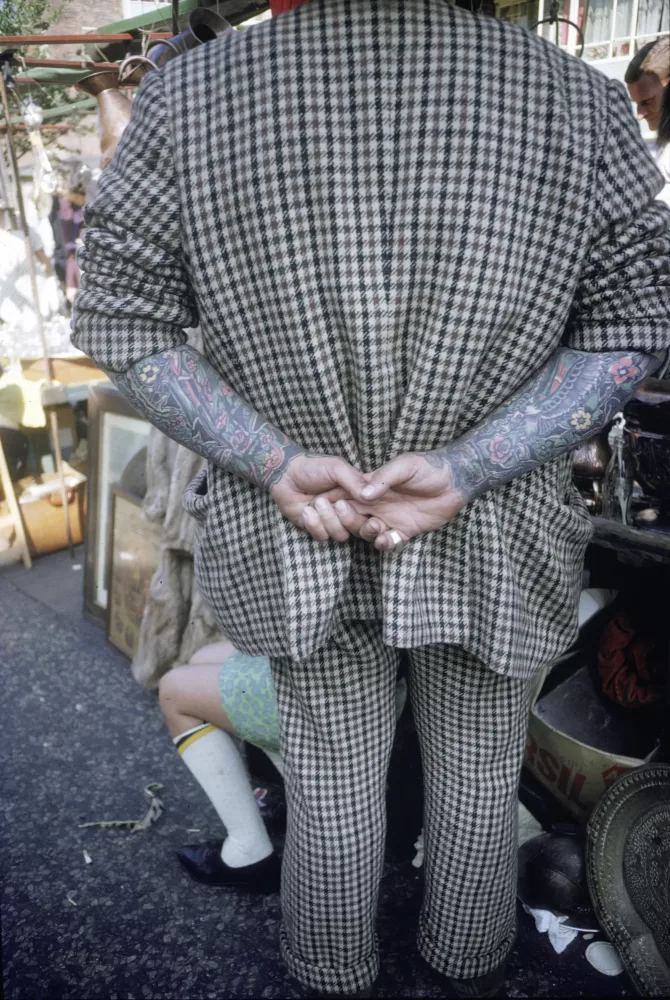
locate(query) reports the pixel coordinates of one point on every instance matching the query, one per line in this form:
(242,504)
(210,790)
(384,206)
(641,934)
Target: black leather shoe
(203,863)
(489,985)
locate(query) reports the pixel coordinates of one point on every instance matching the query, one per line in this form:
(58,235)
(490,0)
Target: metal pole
(62,127)
(30,259)
(53,420)
(79,64)
(88,39)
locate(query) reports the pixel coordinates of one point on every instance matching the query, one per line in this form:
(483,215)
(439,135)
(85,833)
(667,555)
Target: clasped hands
(331,500)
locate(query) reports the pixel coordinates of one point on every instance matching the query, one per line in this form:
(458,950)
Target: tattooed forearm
(180,393)
(572,398)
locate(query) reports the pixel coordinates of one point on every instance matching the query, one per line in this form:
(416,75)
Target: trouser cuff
(328,980)
(462,966)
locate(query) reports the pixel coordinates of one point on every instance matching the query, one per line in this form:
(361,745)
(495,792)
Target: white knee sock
(213,760)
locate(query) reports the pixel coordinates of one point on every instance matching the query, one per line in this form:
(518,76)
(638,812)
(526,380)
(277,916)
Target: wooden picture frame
(134,554)
(116,433)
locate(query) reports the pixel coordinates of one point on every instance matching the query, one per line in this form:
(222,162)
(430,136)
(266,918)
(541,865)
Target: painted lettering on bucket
(567,779)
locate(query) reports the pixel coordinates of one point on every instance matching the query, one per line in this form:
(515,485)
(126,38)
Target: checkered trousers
(337,720)
(387,215)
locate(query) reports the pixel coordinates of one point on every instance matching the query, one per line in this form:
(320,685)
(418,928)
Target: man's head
(648,79)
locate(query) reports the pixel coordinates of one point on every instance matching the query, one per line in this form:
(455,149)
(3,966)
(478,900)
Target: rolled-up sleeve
(135,298)
(623,297)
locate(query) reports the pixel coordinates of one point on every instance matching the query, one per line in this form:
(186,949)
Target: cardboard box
(72,371)
(41,508)
(579,741)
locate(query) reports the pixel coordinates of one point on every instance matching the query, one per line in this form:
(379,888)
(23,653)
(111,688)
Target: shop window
(618,28)
(653,18)
(524,14)
(599,22)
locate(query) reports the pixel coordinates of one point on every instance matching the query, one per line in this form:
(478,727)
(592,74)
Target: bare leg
(189,696)
(191,705)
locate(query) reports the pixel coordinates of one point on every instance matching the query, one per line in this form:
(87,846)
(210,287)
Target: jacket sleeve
(135,297)
(623,296)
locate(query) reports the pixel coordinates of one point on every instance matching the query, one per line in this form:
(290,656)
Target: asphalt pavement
(80,742)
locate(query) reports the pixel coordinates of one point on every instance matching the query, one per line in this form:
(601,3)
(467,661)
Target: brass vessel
(204,25)
(113,109)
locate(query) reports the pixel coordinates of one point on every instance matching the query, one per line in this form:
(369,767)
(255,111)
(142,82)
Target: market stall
(94,432)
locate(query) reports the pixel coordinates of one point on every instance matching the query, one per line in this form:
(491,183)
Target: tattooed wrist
(572,398)
(465,470)
(181,393)
(289,451)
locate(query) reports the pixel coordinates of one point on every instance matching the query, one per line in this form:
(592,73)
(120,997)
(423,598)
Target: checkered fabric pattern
(386,215)
(336,723)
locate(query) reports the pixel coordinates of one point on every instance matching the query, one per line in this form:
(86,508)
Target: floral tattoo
(180,393)
(572,398)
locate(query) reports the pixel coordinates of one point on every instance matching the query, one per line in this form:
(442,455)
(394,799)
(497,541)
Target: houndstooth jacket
(385,216)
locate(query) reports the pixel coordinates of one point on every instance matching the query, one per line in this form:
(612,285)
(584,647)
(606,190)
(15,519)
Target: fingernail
(308,513)
(342,507)
(368,492)
(322,505)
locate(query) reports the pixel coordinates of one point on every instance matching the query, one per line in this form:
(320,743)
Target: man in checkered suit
(424,252)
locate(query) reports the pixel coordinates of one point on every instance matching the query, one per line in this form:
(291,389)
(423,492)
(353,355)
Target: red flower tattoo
(500,449)
(623,370)
(559,378)
(269,462)
(240,441)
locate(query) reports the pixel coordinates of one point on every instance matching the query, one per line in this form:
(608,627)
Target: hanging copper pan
(204,25)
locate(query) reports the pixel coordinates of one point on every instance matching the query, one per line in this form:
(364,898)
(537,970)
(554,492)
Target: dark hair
(634,71)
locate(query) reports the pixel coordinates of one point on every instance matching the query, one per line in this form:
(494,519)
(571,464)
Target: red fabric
(630,661)
(281,6)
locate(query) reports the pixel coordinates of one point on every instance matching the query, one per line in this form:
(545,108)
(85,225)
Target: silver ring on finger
(398,543)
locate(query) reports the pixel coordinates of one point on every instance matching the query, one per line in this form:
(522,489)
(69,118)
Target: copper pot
(96,83)
(133,77)
(113,109)
(105,85)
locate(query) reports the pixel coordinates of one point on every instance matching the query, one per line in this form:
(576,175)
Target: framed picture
(134,553)
(116,434)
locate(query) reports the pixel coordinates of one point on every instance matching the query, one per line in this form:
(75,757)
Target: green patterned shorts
(248,699)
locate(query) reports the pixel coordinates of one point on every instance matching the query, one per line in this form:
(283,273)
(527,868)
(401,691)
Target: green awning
(46,75)
(84,106)
(160,19)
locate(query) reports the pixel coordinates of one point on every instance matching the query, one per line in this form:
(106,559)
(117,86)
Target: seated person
(223,693)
